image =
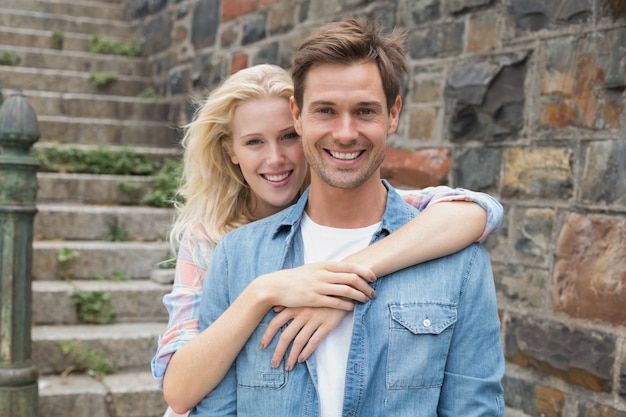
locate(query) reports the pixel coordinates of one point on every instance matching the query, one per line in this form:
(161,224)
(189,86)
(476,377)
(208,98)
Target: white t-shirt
(323,243)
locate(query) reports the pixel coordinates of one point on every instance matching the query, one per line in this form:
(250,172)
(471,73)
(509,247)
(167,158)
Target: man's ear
(394,115)
(295,113)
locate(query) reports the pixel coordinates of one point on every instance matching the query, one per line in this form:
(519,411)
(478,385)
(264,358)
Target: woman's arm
(191,264)
(450,220)
(198,366)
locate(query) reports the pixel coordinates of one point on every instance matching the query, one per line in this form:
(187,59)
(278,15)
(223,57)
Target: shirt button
(426,323)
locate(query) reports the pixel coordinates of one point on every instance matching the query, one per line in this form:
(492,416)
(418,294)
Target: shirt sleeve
(182,303)
(222,400)
(475,363)
(420,199)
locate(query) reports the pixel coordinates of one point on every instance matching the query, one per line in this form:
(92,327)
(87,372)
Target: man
(429,343)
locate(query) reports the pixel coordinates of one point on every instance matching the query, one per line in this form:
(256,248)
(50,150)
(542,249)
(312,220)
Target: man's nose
(345,128)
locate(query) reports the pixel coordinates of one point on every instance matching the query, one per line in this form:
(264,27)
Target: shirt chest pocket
(419,341)
(254,368)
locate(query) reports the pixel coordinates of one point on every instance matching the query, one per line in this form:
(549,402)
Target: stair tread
(113,331)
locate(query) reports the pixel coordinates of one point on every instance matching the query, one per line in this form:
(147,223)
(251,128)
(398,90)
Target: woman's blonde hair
(213,189)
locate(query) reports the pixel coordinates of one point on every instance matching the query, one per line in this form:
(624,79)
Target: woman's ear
(228,149)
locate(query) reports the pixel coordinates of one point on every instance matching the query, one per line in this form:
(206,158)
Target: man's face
(344,123)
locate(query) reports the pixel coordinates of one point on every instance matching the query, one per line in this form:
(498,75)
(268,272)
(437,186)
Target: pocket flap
(424,317)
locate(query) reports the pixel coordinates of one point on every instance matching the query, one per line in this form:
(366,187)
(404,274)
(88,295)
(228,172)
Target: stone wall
(523,99)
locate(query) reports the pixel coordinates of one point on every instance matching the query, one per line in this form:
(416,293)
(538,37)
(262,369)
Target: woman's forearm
(206,358)
(439,230)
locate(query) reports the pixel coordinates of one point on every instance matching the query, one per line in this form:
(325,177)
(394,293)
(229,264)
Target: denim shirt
(427,345)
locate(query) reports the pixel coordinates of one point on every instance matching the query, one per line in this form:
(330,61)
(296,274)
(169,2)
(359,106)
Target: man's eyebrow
(374,103)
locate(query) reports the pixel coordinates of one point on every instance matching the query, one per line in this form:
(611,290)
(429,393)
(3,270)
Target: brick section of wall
(521,99)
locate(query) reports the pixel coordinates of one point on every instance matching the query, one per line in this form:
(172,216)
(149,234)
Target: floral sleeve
(420,199)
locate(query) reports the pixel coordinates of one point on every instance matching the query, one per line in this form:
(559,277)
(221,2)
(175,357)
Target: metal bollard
(19,130)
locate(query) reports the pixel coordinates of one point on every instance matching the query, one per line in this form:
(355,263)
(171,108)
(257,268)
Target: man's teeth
(345,156)
(276,178)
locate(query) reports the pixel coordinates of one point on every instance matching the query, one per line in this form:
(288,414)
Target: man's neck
(347,208)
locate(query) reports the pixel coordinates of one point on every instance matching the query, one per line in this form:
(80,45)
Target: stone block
(426,90)
(590,269)
(535,15)
(478,169)
(604,173)
(425,11)
(458,6)
(580,357)
(595,410)
(418,169)
(205,22)
(482,33)
(538,172)
(534,233)
(485,99)
(233,9)
(438,41)
(519,284)
(423,123)
(535,400)
(583,80)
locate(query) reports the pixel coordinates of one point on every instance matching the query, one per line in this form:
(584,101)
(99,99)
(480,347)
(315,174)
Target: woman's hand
(309,326)
(324,284)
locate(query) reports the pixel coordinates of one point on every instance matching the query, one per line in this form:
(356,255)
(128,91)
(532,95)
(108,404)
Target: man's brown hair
(352,41)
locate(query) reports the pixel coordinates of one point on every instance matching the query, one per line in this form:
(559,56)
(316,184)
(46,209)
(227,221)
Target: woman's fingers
(308,327)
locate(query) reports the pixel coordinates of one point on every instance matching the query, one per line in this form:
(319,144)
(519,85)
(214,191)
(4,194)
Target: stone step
(92,9)
(19,78)
(11,38)
(125,346)
(132,301)
(107,132)
(53,103)
(42,58)
(91,188)
(96,222)
(135,260)
(115,29)
(124,394)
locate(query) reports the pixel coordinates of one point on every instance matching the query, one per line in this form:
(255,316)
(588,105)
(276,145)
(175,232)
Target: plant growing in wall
(57,39)
(85,360)
(93,306)
(103,79)
(108,46)
(64,257)
(149,93)
(8,58)
(115,233)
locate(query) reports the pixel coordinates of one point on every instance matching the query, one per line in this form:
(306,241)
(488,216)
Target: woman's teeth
(276,178)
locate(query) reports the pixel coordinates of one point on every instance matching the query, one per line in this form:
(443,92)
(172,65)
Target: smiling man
(429,343)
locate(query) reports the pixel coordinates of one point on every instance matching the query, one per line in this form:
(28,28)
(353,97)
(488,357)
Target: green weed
(93,306)
(103,79)
(86,360)
(103,45)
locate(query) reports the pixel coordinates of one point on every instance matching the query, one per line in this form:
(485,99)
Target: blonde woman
(243,161)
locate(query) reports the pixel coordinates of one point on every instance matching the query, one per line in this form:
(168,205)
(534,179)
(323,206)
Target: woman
(243,161)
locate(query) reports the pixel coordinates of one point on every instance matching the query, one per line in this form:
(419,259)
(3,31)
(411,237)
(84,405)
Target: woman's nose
(275,155)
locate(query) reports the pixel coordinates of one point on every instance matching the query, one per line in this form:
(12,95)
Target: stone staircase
(53,68)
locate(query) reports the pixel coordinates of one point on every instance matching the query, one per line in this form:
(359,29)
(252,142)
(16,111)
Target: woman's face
(269,153)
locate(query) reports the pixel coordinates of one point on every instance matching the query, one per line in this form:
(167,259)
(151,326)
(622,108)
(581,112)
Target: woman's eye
(292,135)
(252,142)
